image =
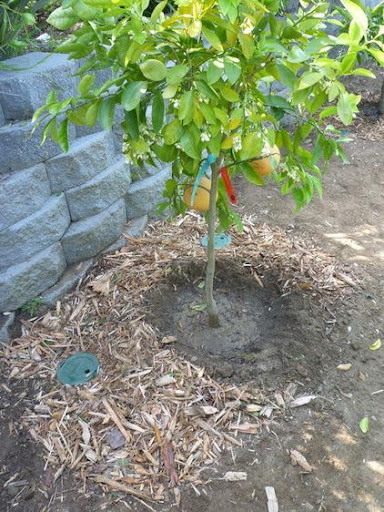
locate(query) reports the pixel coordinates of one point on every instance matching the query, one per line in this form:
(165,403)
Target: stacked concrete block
(58,211)
(144,195)
(89,236)
(85,159)
(23,92)
(2,118)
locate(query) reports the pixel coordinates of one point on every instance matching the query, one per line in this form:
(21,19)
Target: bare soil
(272,340)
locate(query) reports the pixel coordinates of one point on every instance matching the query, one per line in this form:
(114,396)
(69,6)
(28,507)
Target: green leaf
(28,18)
(252,145)
(229,94)
(86,84)
(345,109)
(251,175)
(297,55)
(107,113)
(177,73)
(247,45)
(158,10)
(172,132)
(206,90)
(62,18)
(157,112)
(379,56)
(130,124)
(63,135)
(348,62)
(355,32)
(91,114)
(190,146)
(185,111)
(376,345)
(357,13)
(165,153)
(363,72)
(84,11)
(199,307)
(232,69)
(287,77)
(170,91)
(278,102)
(308,79)
(214,71)
(38,113)
(364,425)
(132,95)
(208,113)
(154,70)
(212,38)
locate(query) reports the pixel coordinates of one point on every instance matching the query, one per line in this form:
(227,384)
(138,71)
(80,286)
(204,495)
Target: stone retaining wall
(60,210)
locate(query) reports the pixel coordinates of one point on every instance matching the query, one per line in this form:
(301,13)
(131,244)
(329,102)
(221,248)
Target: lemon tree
(212,81)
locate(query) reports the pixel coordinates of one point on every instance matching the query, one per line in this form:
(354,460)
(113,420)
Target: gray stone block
(22,193)
(6,322)
(143,196)
(34,233)
(87,157)
(66,283)
(86,238)
(100,192)
(22,92)
(139,173)
(83,131)
(27,280)
(2,118)
(134,229)
(19,148)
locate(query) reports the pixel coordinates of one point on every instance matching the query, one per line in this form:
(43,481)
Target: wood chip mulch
(151,420)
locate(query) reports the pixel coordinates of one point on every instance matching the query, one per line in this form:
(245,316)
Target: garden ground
(316,327)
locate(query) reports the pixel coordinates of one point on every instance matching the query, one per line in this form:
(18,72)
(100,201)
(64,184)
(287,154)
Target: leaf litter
(151,420)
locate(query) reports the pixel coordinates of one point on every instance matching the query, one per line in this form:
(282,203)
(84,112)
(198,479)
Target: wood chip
(235,476)
(116,420)
(272,503)
(344,367)
(302,400)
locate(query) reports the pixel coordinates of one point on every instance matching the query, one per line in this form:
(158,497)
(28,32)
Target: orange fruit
(201,202)
(266,165)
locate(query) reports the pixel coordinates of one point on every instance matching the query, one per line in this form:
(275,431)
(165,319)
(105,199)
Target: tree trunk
(381,100)
(213,316)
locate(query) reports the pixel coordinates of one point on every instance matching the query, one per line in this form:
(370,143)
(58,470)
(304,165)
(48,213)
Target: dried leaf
(344,367)
(168,456)
(298,458)
(201,410)
(168,339)
(101,284)
(251,408)
(235,476)
(86,433)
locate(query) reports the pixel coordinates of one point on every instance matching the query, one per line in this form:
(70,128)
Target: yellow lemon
(201,203)
(266,165)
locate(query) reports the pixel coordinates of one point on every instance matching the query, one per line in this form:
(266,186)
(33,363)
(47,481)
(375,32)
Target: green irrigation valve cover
(221,240)
(78,369)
